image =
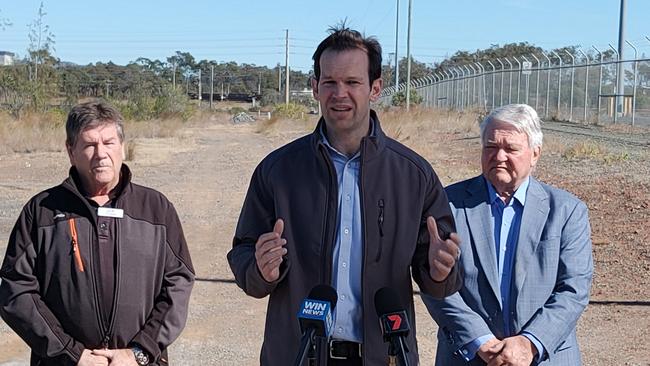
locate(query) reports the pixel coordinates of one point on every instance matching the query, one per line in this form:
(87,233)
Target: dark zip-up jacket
(297,183)
(50,292)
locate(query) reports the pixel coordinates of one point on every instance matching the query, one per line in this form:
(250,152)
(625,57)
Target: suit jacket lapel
(535,213)
(478,218)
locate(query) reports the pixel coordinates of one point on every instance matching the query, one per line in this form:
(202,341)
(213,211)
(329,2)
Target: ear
(537,152)
(314,87)
(68,148)
(375,89)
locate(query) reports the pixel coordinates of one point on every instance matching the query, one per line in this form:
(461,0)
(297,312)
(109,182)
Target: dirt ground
(205,171)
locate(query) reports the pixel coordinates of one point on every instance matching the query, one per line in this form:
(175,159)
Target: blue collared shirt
(506,222)
(347,261)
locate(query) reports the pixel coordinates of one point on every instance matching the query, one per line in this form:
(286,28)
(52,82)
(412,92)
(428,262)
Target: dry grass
(46,132)
(279,125)
(33,132)
(589,150)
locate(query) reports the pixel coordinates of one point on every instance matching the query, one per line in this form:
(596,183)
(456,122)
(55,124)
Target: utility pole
(408,59)
(211,85)
(396,42)
(620,72)
(259,83)
(286,66)
(199,88)
(174,75)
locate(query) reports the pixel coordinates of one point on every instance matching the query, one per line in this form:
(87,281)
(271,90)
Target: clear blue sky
(252,32)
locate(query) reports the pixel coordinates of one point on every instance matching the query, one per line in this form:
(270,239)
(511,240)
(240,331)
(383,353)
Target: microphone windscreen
(387,301)
(324,293)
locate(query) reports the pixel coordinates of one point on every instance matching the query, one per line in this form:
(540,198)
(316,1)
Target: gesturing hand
(443,254)
(269,250)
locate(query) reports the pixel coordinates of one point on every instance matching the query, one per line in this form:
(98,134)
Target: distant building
(6,58)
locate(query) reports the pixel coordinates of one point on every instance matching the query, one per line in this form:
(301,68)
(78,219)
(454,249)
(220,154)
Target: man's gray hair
(522,116)
(91,114)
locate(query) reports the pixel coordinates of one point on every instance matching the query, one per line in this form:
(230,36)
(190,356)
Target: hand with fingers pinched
(117,357)
(269,250)
(443,254)
(490,349)
(89,359)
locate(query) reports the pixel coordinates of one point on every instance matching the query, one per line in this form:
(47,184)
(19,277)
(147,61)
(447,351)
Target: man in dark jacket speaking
(348,207)
(97,270)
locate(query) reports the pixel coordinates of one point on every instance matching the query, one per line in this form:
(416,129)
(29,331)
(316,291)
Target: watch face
(140,357)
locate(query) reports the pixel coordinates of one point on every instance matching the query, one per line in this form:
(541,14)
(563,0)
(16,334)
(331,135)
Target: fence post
(527,80)
(616,87)
(539,66)
(482,82)
(586,80)
(518,76)
(633,85)
(548,83)
(494,73)
(600,83)
(573,69)
(502,75)
(509,81)
(474,71)
(559,83)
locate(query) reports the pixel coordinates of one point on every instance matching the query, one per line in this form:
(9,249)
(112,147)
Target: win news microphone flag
(315,317)
(394,323)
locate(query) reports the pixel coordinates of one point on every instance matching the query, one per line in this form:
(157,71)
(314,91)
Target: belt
(341,350)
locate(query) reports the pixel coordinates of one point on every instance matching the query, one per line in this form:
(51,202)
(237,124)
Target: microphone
(394,324)
(315,317)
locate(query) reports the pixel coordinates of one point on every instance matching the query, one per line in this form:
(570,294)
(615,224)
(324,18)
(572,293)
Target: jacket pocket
(75,245)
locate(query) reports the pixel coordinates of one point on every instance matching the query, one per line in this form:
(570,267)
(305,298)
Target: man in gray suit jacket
(526,254)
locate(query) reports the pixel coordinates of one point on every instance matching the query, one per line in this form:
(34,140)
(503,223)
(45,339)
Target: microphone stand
(306,343)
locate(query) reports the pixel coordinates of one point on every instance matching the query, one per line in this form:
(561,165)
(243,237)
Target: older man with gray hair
(526,256)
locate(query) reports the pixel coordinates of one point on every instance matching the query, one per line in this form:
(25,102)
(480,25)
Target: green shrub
(291,110)
(399,99)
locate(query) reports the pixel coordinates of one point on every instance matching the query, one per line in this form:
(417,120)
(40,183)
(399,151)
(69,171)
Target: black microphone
(315,317)
(394,323)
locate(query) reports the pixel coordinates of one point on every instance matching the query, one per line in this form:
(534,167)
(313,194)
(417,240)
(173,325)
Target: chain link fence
(568,88)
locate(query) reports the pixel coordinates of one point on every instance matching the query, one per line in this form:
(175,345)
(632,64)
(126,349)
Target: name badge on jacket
(110,212)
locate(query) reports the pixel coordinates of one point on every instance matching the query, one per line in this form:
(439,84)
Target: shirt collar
(326,142)
(520,193)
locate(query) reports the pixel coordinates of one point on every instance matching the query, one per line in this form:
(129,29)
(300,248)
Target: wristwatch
(141,357)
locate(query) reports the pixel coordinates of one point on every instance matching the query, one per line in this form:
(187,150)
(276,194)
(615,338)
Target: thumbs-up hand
(269,250)
(443,254)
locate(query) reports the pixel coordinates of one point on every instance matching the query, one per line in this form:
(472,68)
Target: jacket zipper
(329,249)
(116,289)
(380,223)
(380,218)
(98,314)
(93,221)
(75,246)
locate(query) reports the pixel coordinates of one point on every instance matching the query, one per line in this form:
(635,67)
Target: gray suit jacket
(553,269)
